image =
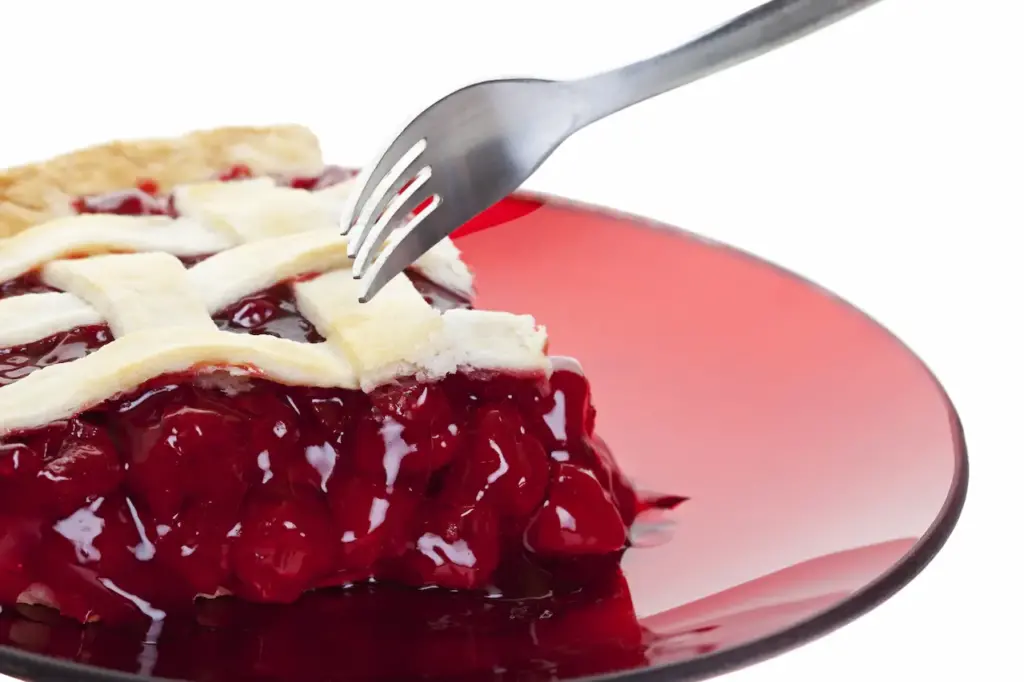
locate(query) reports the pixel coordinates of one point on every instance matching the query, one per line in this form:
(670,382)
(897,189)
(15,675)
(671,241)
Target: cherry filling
(196,485)
(18,362)
(436,295)
(29,283)
(272,312)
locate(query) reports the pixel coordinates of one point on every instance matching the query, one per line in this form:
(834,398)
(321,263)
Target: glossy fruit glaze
(209,483)
(184,488)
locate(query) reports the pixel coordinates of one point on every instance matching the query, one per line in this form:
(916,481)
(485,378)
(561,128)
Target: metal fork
(474,147)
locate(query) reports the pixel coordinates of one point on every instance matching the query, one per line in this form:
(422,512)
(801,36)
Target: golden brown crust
(33,194)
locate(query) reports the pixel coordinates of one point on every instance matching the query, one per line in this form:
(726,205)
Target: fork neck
(753,33)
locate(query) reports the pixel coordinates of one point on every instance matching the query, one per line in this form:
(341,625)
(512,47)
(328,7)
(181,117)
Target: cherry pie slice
(193,402)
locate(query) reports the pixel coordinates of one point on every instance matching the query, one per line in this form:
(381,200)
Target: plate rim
(41,668)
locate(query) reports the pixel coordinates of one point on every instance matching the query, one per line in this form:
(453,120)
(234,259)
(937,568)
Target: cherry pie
(193,402)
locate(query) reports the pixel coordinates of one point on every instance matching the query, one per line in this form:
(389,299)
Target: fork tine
(375,195)
(378,205)
(422,233)
(397,208)
(367,180)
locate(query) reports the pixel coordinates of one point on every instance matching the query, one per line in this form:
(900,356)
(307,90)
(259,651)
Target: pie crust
(261,234)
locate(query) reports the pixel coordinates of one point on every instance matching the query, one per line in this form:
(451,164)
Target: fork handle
(753,33)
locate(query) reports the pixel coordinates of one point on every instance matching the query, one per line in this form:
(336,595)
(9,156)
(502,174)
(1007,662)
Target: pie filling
(217,481)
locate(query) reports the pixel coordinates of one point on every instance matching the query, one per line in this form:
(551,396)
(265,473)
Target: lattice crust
(159,312)
(33,194)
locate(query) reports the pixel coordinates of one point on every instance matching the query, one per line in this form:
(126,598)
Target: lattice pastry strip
(92,234)
(61,391)
(399,334)
(391,335)
(231,275)
(28,318)
(133,292)
(252,210)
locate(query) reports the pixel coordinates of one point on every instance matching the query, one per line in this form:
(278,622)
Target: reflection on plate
(824,466)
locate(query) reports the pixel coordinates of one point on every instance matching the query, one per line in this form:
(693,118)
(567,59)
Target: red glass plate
(824,464)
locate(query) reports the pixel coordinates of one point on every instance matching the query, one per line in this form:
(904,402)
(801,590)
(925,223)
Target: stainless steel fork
(477,145)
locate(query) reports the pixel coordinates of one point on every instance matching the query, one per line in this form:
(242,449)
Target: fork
(475,146)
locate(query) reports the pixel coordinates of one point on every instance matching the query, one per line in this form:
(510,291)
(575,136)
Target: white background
(882,158)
